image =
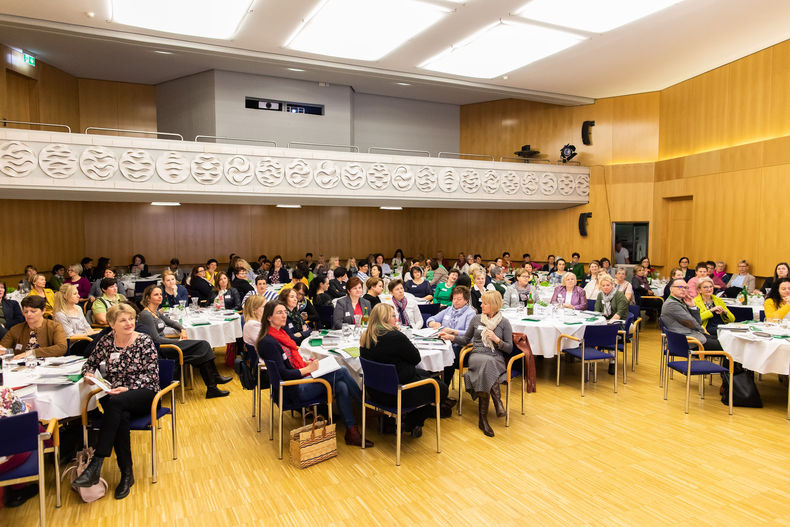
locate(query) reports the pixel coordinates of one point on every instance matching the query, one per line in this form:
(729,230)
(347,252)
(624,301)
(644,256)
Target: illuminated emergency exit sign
(30,59)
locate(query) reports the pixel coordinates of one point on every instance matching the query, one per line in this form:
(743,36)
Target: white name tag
(348,314)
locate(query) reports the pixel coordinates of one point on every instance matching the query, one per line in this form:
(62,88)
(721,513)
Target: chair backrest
(629,319)
(251,355)
(590,304)
(634,310)
(677,345)
(741,313)
(325,314)
(274,378)
(604,336)
(762,316)
(140,285)
(381,377)
(19,434)
(167,370)
(430,309)
(662,326)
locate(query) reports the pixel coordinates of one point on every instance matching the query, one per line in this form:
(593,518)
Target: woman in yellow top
(712,309)
(211,271)
(38,287)
(777,305)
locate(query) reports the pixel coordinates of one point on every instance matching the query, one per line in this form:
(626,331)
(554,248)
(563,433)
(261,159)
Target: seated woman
(646,299)
(351,305)
(492,339)
(211,271)
(10,312)
(253,310)
(383,342)
(591,288)
(58,275)
(96,291)
(443,293)
(777,305)
(139,267)
(36,335)
(645,262)
(98,272)
(296,328)
(676,272)
(278,274)
(556,277)
(688,273)
(196,352)
(39,288)
(479,287)
(69,315)
(276,346)
(419,286)
(782,270)
(74,277)
(305,307)
(240,283)
(405,305)
(175,268)
(110,297)
(318,291)
(720,272)
(397,259)
(453,321)
(24,285)
(200,287)
(351,266)
(569,295)
(712,309)
(606,266)
(228,297)
(623,285)
(132,369)
(517,294)
(385,268)
(439,273)
(173,292)
(610,301)
(742,279)
(551,264)
(374,286)
(261,289)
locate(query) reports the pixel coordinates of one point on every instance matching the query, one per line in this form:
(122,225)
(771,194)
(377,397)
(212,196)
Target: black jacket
(12,314)
(395,348)
(336,289)
(232,299)
(202,289)
(242,286)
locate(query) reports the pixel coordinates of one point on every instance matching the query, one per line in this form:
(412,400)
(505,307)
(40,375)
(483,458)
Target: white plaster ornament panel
(378,177)
(583,185)
(58,161)
(490,181)
(172,167)
(206,169)
(448,180)
(426,179)
(510,182)
(327,176)
(269,172)
(137,165)
(529,183)
(353,176)
(402,178)
(98,163)
(548,184)
(238,170)
(298,174)
(16,159)
(566,184)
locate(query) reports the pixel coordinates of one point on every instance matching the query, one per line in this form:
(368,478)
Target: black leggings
(118,411)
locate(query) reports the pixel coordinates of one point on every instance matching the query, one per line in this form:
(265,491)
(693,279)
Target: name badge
(115,356)
(18,347)
(348,314)
(290,325)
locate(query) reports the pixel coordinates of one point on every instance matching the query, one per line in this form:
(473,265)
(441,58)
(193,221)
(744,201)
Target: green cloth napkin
(531,319)
(782,336)
(324,332)
(353,351)
(591,319)
(74,378)
(571,323)
(316,342)
(201,324)
(230,319)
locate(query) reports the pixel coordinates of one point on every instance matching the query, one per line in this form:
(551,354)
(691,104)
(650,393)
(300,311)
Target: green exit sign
(29,59)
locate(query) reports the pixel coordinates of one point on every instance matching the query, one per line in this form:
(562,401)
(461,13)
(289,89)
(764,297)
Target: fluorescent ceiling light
(597,17)
(363,29)
(500,48)
(165,203)
(296,69)
(163,52)
(200,18)
(391,208)
(289,206)
(403,84)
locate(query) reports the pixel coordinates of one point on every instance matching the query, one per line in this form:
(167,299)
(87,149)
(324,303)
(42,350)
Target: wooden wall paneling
(702,164)
(193,233)
(678,231)
(743,157)
(673,131)
(230,231)
(771,240)
(780,92)
(154,233)
(98,104)
(21,99)
(634,128)
(776,152)
(136,107)
(59,97)
(600,152)
(706,110)
(749,98)
(334,231)
(114,230)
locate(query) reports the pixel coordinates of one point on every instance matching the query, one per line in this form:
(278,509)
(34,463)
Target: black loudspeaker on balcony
(586,131)
(583,217)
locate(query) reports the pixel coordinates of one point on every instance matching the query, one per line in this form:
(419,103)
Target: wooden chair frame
(294,382)
(518,356)
(595,363)
(700,351)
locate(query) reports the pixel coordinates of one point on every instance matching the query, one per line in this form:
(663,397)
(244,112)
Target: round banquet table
(51,397)
(214,327)
(760,354)
(436,354)
(756,306)
(542,331)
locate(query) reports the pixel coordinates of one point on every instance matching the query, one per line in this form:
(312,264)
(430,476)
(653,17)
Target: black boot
(123,488)
(208,370)
(213,374)
(213,391)
(496,397)
(482,409)
(90,476)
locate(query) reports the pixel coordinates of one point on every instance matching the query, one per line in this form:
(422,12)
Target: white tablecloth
(16,295)
(543,334)
(763,355)
(52,400)
(217,333)
(127,282)
(435,357)
(756,306)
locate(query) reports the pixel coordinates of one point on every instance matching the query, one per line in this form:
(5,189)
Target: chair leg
(688,389)
(42,496)
(173,423)
(615,369)
(56,454)
(460,391)
(702,387)
(625,361)
(271,417)
(280,426)
(666,384)
(507,404)
(183,386)
(258,391)
(153,453)
(523,382)
(438,426)
(398,430)
(583,371)
(558,367)
(254,395)
(364,411)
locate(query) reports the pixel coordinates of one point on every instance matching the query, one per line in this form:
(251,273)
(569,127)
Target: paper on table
(100,382)
(325,365)
(425,333)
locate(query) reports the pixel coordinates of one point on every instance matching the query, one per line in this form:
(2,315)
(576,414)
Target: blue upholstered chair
(590,348)
(741,313)
(384,378)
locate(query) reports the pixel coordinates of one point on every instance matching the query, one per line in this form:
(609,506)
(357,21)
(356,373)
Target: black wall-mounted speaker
(586,137)
(583,217)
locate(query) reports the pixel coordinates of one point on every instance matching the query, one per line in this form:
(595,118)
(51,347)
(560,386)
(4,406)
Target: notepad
(325,366)
(353,351)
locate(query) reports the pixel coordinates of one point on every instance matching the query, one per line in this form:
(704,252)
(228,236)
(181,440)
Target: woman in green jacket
(611,302)
(443,294)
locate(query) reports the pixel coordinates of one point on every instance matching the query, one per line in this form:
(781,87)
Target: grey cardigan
(679,318)
(512,298)
(503,331)
(155,328)
(344,311)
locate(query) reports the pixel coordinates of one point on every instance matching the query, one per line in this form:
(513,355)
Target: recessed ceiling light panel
(200,18)
(596,17)
(500,48)
(363,29)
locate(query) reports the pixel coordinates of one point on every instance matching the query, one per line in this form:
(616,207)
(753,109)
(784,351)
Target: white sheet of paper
(325,365)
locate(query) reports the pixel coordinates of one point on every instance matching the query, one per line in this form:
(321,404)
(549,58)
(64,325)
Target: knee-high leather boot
(496,397)
(482,423)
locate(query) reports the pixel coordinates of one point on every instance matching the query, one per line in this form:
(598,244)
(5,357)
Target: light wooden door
(22,99)
(680,217)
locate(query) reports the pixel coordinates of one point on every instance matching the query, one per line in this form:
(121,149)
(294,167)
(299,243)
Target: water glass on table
(7,357)
(31,362)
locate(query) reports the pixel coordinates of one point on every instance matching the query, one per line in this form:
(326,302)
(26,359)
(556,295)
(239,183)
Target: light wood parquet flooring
(629,458)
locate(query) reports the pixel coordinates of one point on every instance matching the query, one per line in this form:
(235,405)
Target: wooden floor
(605,459)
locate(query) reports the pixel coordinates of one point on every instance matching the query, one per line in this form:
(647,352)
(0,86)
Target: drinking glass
(30,362)
(347,331)
(194,303)
(357,320)
(8,357)
(183,304)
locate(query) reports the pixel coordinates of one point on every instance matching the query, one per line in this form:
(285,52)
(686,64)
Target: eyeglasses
(681,286)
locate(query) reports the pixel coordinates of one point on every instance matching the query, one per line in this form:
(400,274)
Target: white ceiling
(678,43)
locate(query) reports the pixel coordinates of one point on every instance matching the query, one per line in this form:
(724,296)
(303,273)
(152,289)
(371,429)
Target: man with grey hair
(498,279)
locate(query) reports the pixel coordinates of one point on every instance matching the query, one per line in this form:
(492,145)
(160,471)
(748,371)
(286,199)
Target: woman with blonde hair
(492,339)
(38,286)
(253,311)
(569,295)
(68,314)
(383,342)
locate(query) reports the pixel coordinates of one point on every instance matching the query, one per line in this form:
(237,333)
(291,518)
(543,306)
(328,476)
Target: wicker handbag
(313,443)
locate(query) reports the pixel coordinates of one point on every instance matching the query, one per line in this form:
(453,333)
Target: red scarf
(289,347)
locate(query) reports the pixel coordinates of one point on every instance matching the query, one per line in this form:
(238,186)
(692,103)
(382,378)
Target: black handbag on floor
(744,390)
